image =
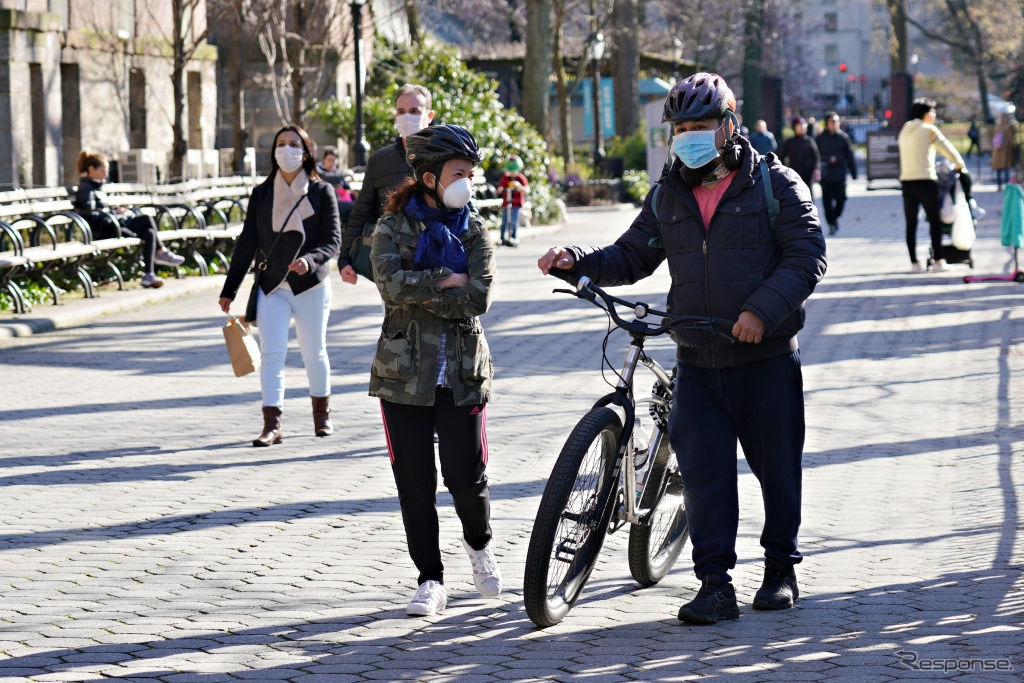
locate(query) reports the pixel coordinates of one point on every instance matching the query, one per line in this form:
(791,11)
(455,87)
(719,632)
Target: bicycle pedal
(565,552)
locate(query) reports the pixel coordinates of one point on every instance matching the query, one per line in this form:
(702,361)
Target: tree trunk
(412,17)
(179,144)
(898,43)
(238,133)
(537,65)
(974,35)
(562,91)
(752,21)
(626,68)
(299,67)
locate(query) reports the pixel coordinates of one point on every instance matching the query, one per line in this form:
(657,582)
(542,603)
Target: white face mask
(289,158)
(407,124)
(458,194)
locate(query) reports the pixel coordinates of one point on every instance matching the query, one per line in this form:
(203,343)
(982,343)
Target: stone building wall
(94,75)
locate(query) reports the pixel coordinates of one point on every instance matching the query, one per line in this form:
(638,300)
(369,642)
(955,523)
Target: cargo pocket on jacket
(396,354)
(475,362)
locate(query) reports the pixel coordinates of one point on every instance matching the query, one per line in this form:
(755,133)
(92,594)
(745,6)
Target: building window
(830,22)
(831,54)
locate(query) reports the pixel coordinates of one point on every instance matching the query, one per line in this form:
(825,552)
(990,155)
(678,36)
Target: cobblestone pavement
(143,538)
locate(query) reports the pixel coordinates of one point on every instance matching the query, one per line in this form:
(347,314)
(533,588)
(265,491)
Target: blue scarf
(439,244)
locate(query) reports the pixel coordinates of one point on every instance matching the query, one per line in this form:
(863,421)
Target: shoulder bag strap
(262,263)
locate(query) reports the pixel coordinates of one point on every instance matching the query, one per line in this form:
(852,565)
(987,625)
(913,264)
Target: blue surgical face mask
(695,148)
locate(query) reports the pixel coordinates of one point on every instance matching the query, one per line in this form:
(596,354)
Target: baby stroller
(955,250)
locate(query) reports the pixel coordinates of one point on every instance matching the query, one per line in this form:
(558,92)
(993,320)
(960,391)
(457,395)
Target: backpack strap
(656,242)
(773,204)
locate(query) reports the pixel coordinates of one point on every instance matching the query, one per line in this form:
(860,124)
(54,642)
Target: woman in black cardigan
(292,232)
(106,222)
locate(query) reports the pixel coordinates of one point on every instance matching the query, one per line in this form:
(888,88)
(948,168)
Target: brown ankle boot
(271,427)
(322,416)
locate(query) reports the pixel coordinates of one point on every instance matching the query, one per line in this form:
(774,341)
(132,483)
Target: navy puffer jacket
(740,263)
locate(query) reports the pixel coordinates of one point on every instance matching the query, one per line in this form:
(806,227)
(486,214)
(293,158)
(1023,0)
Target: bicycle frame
(622,397)
(638,331)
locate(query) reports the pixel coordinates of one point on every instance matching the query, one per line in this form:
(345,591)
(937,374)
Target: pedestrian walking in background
(973,136)
(90,203)
(385,169)
(836,152)
(726,261)
(918,140)
(335,176)
(434,265)
(1003,143)
(292,232)
(800,153)
(512,188)
(762,139)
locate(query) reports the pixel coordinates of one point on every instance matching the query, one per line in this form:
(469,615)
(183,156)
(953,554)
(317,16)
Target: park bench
(40,233)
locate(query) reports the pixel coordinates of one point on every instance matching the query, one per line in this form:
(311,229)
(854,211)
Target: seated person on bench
(90,202)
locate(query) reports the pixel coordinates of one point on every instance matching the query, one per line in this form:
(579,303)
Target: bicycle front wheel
(572,519)
(654,547)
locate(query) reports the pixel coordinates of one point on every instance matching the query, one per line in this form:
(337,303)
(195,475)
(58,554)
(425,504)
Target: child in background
(512,188)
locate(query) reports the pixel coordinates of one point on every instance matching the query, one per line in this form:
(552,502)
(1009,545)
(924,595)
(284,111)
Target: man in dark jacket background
(800,153)
(385,169)
(728,258)
(836,152)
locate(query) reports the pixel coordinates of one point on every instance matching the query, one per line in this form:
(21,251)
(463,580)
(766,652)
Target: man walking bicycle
(730,255)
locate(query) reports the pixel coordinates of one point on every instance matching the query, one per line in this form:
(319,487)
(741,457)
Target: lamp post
(677,56)
(597,52)
(361,146)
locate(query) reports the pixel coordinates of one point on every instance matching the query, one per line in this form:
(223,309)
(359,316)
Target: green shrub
(636,185)
(461,96)
(632,149)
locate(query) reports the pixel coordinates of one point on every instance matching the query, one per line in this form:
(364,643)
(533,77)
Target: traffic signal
(842,67)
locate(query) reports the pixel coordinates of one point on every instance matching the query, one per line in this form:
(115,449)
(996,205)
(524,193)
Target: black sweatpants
(141,226)
(926,193)
(760,405)
(462,448)
(833,195)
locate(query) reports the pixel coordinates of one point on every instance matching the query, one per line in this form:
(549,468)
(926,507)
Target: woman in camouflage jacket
(434,264)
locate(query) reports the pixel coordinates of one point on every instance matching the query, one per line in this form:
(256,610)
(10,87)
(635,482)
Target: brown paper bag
(242,347)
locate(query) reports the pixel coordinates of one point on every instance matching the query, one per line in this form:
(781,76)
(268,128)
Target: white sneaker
(486,574)
(152,281)
(939,265)
(430,598)
(915,267)
(168,258)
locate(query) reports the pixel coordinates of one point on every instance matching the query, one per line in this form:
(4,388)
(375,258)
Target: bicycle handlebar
(587,290)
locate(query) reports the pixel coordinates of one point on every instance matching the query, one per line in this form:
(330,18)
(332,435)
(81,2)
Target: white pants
(274,312)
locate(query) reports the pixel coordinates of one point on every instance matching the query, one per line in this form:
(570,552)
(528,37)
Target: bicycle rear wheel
(654,547)
(573,517)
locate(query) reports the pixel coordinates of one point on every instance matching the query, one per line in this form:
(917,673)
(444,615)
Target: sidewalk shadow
(959,615)
(348,511)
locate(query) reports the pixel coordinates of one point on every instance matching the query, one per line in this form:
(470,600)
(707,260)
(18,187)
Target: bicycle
(590,494)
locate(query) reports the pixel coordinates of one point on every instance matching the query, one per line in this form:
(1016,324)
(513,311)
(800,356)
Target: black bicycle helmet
(698,97)
(431,147)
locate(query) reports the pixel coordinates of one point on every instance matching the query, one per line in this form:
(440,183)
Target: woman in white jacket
(918,140)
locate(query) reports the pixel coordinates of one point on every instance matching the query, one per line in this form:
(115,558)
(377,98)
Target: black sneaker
(778,590)
(715,600)
(833,228)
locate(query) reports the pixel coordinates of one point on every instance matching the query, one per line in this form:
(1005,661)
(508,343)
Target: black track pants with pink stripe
(462,448)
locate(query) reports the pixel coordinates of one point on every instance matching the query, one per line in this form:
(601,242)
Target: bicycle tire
(654,547)
(572,519)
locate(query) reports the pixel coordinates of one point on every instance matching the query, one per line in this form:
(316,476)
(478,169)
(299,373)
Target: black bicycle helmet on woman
(427,150)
